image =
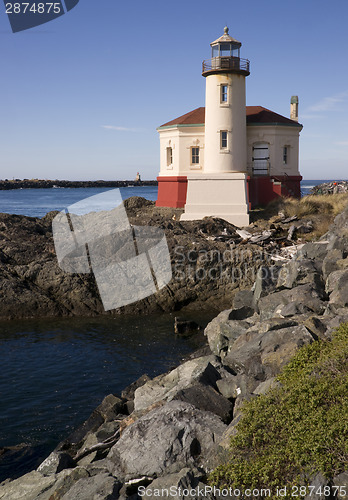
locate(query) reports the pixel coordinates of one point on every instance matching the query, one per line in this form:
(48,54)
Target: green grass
(297,429)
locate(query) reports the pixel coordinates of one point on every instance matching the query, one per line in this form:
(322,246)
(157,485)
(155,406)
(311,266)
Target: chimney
(294,108)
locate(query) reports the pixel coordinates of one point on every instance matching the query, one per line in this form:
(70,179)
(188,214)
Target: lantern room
(225,56)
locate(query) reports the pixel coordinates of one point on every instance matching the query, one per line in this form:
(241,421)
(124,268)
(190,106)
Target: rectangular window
(169,156)
(194,156)
(223,139)
(285,155)
(224,93)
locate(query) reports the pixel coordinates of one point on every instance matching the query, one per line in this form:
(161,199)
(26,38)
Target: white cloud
(329,103)
(310,116)
(121,129)
(342,143)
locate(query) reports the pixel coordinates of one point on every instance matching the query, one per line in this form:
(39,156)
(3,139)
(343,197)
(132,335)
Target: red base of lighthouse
(262,190)
(172,191)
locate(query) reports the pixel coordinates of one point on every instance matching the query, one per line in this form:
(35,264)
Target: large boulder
(221,331)
(299,300)
(337,288)
(28,487)
(262,355)
(165,440)
(299,272)
(206,398)
(101,487)
(266,281)
(203,370)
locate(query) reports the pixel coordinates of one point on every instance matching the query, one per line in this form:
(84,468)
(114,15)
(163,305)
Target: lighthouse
(225,118)
(223,158)
(221,189)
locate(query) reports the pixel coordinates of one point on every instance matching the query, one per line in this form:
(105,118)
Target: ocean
(37,202)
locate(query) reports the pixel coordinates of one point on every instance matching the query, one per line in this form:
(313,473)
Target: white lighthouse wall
(222,116)
(277,137)
(181,140)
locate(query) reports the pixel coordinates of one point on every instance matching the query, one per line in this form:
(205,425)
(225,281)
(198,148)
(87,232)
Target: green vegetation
(297,429)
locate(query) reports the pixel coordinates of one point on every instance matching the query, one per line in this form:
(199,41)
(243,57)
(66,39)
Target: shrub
(297,429)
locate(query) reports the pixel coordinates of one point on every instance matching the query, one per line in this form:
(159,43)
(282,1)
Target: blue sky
(81,96)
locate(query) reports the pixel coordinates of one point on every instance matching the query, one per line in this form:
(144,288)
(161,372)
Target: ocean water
(54,372)
(37,202)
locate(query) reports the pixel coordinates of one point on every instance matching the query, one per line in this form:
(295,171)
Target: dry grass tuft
(320,209)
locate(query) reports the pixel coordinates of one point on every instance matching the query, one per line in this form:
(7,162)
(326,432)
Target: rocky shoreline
(48,184)
(172,430)
(211,260)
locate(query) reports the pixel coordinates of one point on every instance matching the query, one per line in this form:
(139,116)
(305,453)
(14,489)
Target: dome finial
(226,30)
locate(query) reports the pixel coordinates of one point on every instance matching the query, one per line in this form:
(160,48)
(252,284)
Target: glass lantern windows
(225,50)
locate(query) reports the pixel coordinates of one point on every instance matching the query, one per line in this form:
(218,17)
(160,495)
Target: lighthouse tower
(220,190)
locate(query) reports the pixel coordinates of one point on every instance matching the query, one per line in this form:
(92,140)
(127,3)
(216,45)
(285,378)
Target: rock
(303,299)
(243,298)
(107,430)
(319,482)
(101,487)
(242,313)
(205,398)
(299,272)
(266,386)
(230,431)
(108,410)
(128,392)
(56,462)
(235,386)
(168,385)
(315,251)
(172,485)
(274,324)
(135,415)
(317,326)
(337,288)
(166,440)
(330,262)
(338,241)
(33,285)
(266,281)
(182,326)
(330,188)
(341,482)
(28,487)
(64,481)
(262,355)
(97,467)
(221,330)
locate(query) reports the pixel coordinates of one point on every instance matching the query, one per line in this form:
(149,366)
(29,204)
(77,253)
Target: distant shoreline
(42,184)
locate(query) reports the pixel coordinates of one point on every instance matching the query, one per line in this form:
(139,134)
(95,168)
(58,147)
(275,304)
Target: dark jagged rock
(182,326)
(206,272)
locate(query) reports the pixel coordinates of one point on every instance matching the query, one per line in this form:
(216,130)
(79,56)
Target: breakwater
(46,183)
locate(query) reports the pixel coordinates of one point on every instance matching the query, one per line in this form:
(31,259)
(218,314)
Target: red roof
(197,116)
(254,114)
